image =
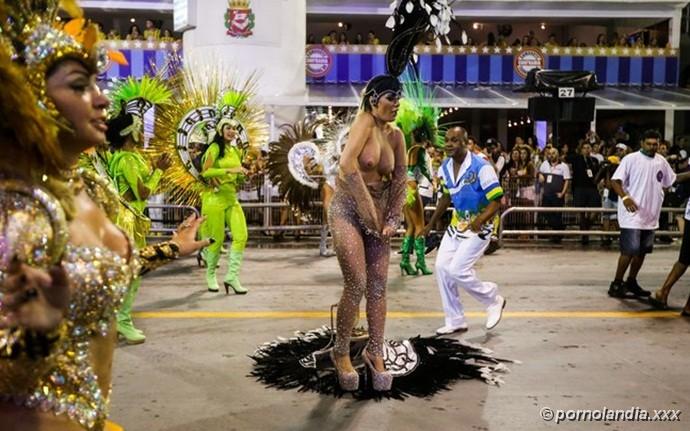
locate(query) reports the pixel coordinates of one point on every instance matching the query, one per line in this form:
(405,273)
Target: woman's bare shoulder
(396,135)
(364,119)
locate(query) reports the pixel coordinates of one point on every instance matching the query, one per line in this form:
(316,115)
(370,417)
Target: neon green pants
(222,209)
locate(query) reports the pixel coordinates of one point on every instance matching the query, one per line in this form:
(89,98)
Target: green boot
(232,279)
(419,247)
(125,326)
(405,249)
(211,265)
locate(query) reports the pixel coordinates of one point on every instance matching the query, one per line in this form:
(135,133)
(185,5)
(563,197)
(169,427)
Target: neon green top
(128,168)
(218,168)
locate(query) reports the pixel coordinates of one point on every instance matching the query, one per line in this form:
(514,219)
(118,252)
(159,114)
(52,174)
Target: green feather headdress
(136,96)
(417,118)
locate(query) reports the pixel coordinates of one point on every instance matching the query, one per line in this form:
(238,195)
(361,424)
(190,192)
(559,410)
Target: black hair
(651,134)
(115,126)
(376,87)
(220,140)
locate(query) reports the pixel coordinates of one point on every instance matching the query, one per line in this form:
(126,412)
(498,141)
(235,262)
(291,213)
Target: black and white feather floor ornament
(422,366)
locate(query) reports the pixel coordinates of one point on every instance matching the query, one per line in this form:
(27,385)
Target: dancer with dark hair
(222,162)
(134,177)
(64,266)
(364,214)
(365,210)
(417,119)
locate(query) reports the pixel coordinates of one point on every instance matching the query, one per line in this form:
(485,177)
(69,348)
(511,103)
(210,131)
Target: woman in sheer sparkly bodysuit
(364,214)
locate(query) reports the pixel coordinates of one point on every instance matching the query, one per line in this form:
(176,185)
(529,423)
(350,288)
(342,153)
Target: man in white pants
(471,184)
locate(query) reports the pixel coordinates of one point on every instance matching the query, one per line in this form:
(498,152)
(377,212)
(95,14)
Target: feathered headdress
(138,95)
(417,118)
(411,21)
(37,40)
(205,96)
(295,162)
(130,100)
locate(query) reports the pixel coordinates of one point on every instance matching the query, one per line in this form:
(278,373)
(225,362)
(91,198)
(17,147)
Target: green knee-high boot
(125,326)
(211,258)
(419,247)
(232,278)
(405,249)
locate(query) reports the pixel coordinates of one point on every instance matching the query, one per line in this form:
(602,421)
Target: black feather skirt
(422,366)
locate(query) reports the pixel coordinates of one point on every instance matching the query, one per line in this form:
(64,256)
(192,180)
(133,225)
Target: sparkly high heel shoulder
(382,381)
(348,380)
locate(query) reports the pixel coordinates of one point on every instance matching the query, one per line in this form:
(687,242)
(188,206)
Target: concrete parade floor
(580,349)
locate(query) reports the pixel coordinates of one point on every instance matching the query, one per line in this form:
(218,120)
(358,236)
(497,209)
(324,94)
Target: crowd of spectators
(152,33)
(342,38)
(503,38)
(579,176)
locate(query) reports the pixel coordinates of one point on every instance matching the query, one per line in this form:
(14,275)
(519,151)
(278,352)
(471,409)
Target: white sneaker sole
(500,316)
(454,331)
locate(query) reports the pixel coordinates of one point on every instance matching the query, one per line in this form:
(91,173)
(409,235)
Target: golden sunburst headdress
(37,40)
(206,96)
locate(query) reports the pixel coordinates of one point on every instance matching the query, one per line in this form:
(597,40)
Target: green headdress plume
(417,117)
(136,96)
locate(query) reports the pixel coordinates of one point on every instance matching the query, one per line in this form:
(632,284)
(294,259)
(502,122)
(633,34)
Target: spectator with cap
(621,150)
(554,176)
(639,182)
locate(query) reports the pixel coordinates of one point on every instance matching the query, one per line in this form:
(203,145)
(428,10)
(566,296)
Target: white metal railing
(564,232)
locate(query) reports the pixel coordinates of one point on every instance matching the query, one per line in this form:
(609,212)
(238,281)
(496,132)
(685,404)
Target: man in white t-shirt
(554,177)
(639,181)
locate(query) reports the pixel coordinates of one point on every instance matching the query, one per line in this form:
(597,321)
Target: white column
(668,124)
(674,29)
(275,49)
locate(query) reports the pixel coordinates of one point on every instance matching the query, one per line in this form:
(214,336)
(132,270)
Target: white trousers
(455,268)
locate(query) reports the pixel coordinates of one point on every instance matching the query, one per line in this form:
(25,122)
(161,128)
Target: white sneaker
(446,329)
(494,312)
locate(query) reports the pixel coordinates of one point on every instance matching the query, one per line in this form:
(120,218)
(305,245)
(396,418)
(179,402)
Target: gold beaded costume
(65,371)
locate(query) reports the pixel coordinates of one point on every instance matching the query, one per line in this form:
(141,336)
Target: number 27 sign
(566,92)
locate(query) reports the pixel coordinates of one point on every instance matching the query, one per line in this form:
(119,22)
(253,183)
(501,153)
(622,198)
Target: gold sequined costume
(60,379)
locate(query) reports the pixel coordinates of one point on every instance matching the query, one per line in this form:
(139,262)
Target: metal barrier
(174,213)
(535,210)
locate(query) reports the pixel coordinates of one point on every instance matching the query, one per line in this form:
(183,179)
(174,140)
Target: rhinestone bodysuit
(100,279)
(65,382)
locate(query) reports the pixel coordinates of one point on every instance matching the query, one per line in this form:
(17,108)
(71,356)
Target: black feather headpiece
(410,22)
